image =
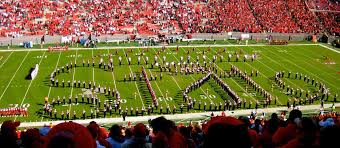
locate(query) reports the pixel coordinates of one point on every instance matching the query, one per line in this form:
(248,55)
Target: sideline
(324,46)
(136,47)
(175,116)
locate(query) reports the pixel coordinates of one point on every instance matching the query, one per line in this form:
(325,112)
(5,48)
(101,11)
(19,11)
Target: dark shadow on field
(28,77)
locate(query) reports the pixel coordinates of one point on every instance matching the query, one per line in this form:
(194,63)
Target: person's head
(226,130)
(307,131)
(294,114)
(245,120)
(185,131)
(8,128)
(140,130)
(128,133)
(274,116)
(115,131)
(93,129)
(69,135)
(161,124)
(31,138)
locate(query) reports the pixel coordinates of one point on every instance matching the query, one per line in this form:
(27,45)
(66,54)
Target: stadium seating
(218,131)
(152,17)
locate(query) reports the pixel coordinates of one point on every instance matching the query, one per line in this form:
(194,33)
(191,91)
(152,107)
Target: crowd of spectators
(151,17)
(304,18)
(333,5)
(219,131)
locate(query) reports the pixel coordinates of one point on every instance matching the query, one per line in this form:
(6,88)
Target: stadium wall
(219,36)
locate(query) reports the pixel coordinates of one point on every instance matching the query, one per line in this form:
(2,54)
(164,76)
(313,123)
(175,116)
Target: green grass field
(15,90)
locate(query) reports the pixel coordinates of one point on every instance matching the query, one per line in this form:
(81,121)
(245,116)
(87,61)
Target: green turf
(15,66)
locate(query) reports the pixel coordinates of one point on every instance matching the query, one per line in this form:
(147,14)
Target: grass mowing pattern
(307,60)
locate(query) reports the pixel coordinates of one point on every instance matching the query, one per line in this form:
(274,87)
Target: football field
(314,62)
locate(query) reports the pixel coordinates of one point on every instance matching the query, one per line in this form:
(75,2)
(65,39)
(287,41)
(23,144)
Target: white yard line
(13,76)
(304,69)
(113,75)
(74,72)
(159,89)
(56,66)
(29,86)
(312,66)
(140,96)
(92,67)
(49,90)
(6,59)
(231,79)
(193,78)
(156,83)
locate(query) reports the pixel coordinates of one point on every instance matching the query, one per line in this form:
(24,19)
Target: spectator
(305,135)
(166,134)
(138,140)
(226,132)
(32,139)
(8,137)
(269,129)
(128,136)
(185,131)
(285,134)
(257,126)
(69,135)
(93,128)
(115,136)
(329,136)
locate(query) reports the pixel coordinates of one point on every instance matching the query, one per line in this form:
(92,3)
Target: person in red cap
(69,135)
(8,135)
(226,132)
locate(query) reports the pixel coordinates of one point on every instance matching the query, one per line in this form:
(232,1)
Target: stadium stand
(152,17)
(219,131)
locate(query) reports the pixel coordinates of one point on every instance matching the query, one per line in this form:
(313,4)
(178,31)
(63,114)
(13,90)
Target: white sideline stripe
(329,48)
(6,59)
(74,72)
(29,86)
(113,75)
(174,117)
(56,66)
(135,81)
(14,75)
(122,47)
